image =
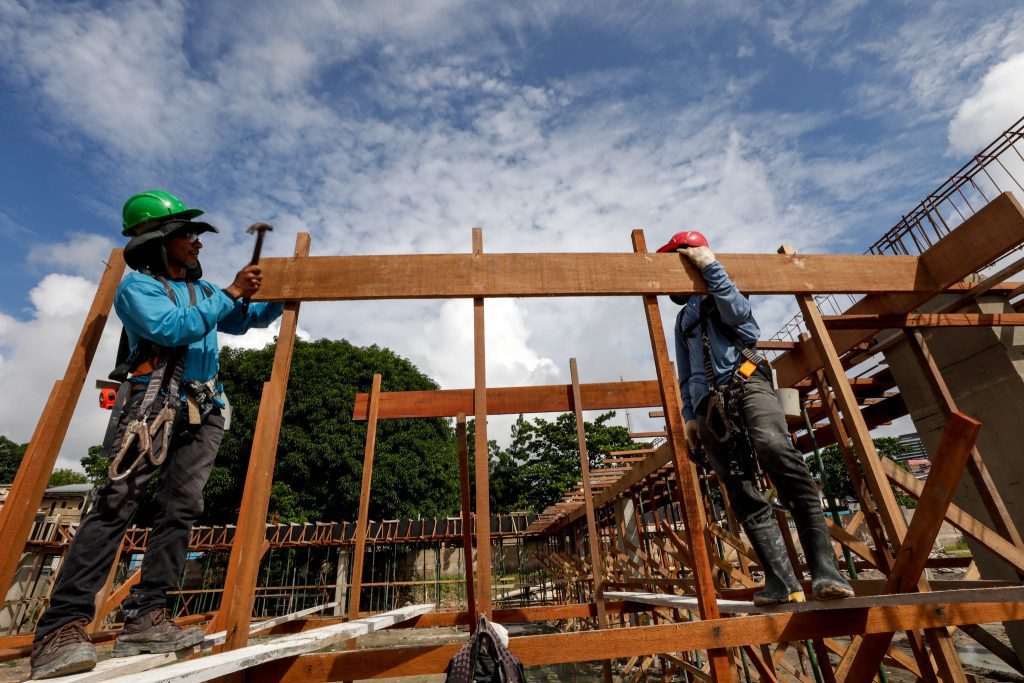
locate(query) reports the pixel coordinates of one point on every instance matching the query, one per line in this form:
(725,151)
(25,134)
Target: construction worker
(172,421)
(730,406)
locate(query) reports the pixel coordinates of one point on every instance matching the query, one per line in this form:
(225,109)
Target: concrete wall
(984,369)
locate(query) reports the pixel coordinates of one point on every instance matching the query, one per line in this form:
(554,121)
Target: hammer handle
(257,249)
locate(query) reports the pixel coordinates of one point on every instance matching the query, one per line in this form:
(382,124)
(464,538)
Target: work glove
(699,256)
(691,433)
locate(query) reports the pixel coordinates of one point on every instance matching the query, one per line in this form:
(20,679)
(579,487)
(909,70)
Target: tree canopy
(838,474)
(10,457)
(320,451)
(542,461)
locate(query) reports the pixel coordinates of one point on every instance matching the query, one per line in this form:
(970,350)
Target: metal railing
(992,171)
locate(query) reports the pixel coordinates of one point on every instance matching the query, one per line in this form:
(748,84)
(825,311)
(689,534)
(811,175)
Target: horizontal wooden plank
(552,398)
(231,661)
(869,321)
(643,640)
(946,597)
(445,276)
(994,230)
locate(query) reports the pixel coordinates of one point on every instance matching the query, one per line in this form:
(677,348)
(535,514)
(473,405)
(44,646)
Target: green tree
(542,461)
(320,450)
(839,475)
(10,458)
(63,476)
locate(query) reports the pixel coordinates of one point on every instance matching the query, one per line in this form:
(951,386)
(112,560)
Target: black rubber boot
(780,582)
(826,581)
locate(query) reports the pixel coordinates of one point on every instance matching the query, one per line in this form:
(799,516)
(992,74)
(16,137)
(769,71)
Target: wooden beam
(958,517)
(873,475)
(555,398)
(247,548)
(26,494)
(452,276)
(467,514)
(958,438)
(643,640)
(872,321)
(359,552)
(990,233)
(593,539)
(987,490)
(481,451)
(686,472)
(115,668)
(225,663)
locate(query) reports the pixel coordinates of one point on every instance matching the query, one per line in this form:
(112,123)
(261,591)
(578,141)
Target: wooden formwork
(894,286)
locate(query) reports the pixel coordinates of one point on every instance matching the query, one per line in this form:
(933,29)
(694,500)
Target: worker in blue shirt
(730,408)
(170,418)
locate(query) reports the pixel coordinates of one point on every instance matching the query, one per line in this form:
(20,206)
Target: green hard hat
(146,206)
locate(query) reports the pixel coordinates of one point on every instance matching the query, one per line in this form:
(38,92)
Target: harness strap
(140,431)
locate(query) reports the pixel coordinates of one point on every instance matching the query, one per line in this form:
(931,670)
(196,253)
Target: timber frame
(894,287)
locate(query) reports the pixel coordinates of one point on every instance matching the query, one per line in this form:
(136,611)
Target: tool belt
(147,428)
(724,420)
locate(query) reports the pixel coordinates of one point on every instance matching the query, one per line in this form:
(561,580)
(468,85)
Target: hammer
(260,229)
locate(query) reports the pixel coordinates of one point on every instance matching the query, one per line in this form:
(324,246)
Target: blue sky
(394,127)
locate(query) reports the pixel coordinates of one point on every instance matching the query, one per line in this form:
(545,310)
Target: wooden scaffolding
(893,288)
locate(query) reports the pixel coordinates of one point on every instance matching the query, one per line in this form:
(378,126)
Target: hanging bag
(485,659)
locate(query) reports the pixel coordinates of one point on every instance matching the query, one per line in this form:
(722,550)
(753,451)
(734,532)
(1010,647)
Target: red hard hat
(690,238)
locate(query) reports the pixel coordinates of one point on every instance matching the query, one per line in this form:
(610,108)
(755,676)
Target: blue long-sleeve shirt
(735,311)
(147,312)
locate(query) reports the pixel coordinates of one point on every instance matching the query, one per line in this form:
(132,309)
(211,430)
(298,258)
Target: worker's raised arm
(733,307)
(145,309)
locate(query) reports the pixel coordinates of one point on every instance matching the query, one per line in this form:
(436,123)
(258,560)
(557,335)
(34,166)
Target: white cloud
(998,103)
(395,127)
(81,254)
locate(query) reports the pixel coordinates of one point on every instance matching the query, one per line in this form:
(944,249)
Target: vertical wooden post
(247,549)
(596,558)
(686,474)
(957,440)
(993,501)
(483,489)
(26,493)
(874,475)
(467,516)
(359,550)
(868,507)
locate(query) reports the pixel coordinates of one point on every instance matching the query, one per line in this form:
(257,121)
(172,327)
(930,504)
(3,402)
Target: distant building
(916,457)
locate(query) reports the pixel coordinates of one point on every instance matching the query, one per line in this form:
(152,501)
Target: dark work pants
(770,438)
(89,558)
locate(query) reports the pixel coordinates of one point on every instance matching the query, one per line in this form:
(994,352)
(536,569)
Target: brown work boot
(154,633)
(65,651)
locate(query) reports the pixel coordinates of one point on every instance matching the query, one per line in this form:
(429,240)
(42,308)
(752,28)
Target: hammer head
(259,228)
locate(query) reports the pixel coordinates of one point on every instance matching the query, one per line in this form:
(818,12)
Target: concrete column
(984,369)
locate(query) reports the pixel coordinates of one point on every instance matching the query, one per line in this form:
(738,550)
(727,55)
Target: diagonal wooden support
(686,473)
(235,613)
(958,517)
(593,540)
(957,440)
(987,490)
(359,551)
(26,494)
(874,477)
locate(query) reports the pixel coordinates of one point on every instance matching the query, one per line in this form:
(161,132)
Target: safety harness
(151,421)
(724,418)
